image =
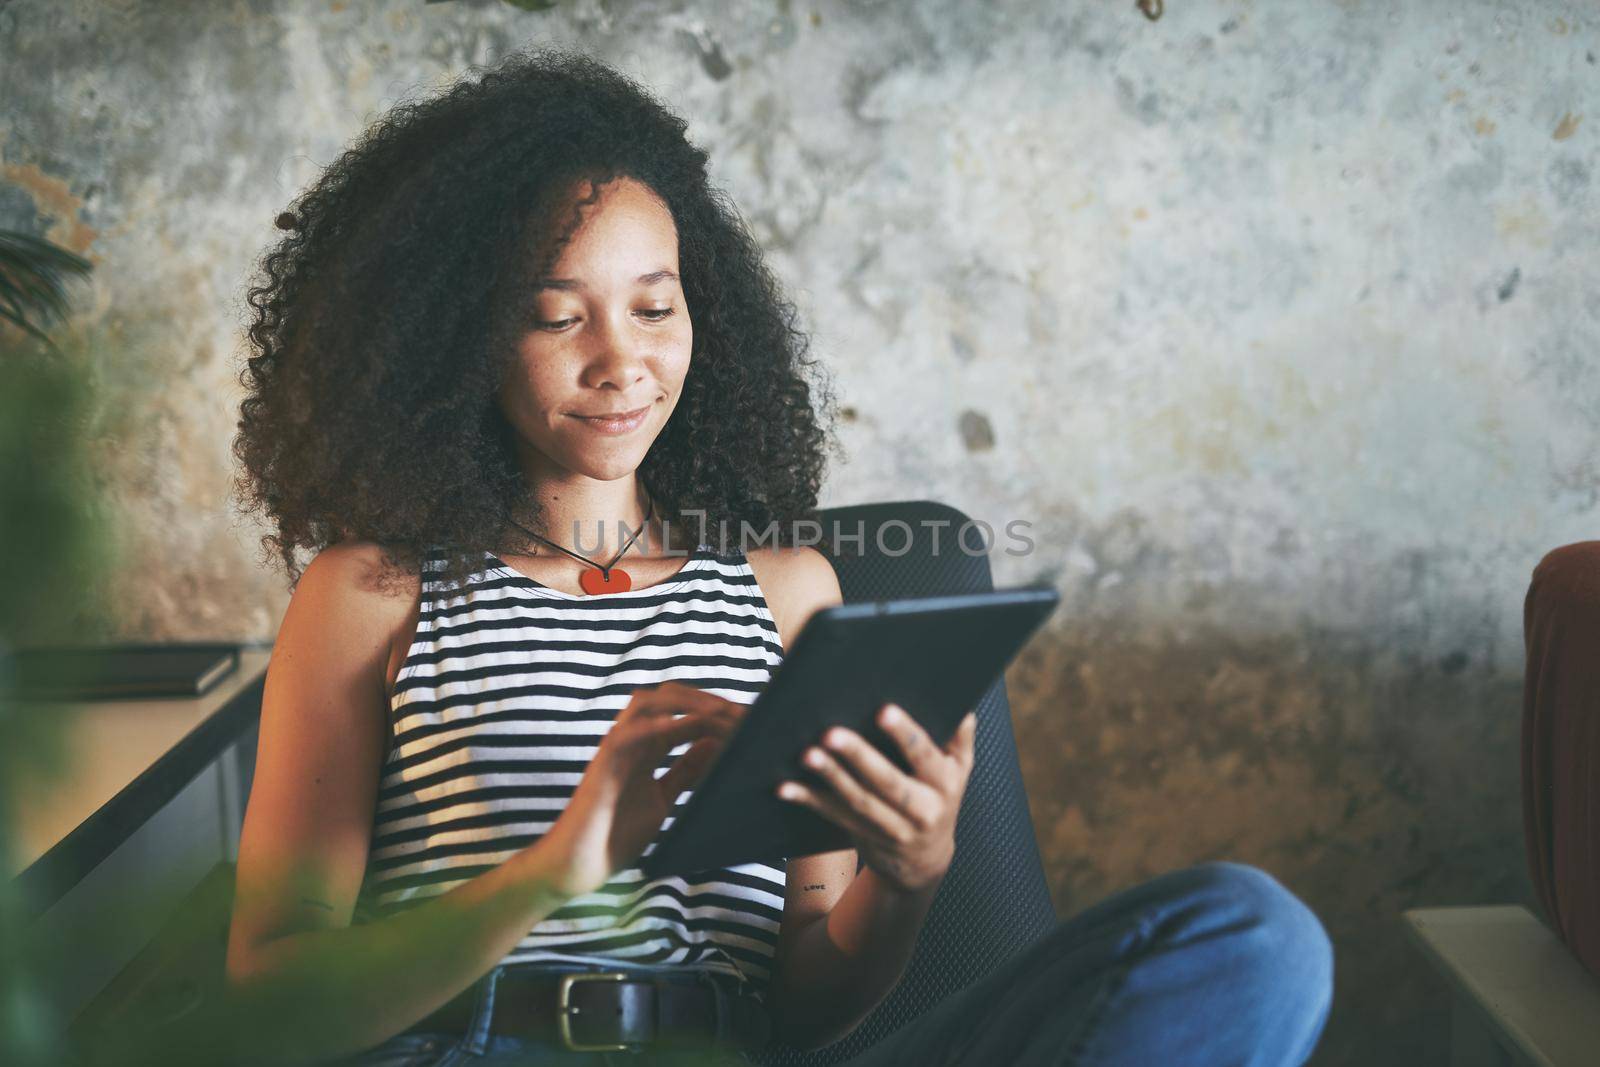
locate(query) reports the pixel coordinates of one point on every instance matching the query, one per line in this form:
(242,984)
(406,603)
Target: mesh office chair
(993,901)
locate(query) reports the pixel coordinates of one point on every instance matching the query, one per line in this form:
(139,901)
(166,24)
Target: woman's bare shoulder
(356,570)
(351,578)
(796,583)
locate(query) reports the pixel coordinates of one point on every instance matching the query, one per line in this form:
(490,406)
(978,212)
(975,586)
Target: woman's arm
(836,963)
(837,967)
(846,937)
(314,993)
(301,982)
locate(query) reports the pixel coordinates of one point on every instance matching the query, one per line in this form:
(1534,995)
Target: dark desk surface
(124,760)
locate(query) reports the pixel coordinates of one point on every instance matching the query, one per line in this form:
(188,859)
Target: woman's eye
(651,314)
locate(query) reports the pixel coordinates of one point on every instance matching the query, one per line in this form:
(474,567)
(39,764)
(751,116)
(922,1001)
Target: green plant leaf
(33,274)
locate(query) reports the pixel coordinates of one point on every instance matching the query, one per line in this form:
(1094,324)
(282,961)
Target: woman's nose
(616,358)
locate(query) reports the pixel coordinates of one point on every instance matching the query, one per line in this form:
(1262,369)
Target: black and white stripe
(502,698)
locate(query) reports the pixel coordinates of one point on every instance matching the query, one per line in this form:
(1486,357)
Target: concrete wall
(1277,321)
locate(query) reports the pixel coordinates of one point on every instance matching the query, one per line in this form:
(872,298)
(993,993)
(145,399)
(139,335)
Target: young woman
(513,338)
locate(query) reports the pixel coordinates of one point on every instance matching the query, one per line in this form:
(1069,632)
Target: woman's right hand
(619,804)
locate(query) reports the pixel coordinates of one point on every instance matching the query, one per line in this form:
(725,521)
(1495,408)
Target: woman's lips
(618,424)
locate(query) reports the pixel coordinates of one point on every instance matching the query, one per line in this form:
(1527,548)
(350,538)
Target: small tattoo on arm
(815,886)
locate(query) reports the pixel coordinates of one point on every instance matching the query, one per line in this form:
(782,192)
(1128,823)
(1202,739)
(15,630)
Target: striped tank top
(505,692)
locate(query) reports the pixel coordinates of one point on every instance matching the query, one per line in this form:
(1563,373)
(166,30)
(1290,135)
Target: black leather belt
(614,1011)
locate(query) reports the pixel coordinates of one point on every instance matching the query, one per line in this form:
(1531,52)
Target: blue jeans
(1217,965)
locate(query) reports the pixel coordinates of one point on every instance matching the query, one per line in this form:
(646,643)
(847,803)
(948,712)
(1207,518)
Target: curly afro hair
(383,320)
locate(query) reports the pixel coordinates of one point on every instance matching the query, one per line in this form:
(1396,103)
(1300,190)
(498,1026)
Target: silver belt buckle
(565,1009)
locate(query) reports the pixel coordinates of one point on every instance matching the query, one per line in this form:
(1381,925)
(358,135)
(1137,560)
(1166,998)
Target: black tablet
(933,656)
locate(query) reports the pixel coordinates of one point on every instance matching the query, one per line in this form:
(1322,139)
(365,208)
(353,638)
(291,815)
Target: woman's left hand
(903,824)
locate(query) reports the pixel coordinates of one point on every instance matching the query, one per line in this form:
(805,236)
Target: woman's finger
(914,799)
(867,806)
(829,806)
(927,760)
(961,745)
(674,697)
(665,732)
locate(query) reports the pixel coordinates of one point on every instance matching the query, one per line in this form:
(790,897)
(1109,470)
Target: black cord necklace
(602,577)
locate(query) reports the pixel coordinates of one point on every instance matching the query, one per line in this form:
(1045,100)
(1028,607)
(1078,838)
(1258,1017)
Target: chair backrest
(994,900)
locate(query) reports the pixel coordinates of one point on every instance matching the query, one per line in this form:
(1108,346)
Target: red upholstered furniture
(1561,744)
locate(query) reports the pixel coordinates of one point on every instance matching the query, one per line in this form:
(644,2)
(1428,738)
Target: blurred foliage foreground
(58,556)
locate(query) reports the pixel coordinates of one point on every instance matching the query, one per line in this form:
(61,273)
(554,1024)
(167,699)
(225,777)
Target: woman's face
(610,335)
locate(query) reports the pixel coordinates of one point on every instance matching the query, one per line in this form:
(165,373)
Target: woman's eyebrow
(572,283)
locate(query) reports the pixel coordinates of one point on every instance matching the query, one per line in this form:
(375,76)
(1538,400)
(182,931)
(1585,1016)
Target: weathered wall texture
(1278,322)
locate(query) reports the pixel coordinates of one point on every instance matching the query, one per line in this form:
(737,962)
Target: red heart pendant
(594,582)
